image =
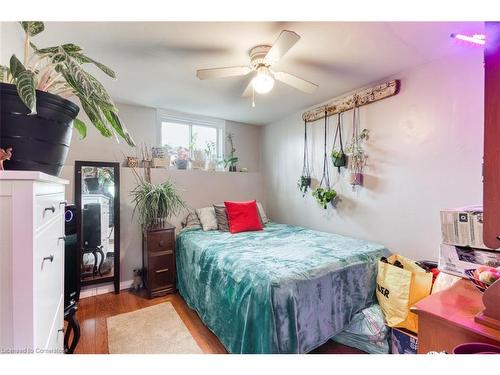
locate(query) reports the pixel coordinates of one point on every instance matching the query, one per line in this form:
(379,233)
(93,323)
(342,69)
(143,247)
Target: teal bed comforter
(285,289)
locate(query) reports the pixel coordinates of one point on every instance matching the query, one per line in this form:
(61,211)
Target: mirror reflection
(97,240)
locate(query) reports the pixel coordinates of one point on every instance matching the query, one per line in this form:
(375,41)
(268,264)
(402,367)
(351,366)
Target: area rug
(156,329)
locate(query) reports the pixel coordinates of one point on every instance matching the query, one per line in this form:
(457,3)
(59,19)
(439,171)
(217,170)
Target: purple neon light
(476,38)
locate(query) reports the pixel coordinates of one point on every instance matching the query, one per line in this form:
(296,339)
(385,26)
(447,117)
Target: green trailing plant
(303,184)
(59,70)
(338,158)
(153,204)
(324,196)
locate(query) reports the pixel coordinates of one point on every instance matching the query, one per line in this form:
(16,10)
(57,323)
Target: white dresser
(31,262)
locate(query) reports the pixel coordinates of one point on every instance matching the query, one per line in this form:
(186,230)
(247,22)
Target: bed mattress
(285,289)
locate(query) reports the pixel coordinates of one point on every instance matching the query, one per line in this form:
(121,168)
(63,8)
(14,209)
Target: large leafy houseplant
(154,204)
(59,70)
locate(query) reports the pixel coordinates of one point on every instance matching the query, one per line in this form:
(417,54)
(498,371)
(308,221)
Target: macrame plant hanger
(357,157)
(306,171)
(326,175)
(305,178)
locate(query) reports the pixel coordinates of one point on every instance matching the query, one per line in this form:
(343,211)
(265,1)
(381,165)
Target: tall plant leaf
(80,127)
(96,117)
(85,59)
(69,48)
(74,71)
(115,122)
(32,28)
(16,66)
(76,52)
(25,83)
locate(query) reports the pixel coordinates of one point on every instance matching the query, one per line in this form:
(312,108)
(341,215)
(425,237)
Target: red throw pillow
(243,216)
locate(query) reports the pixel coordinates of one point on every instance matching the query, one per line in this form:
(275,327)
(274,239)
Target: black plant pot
(92,185)
(39,142)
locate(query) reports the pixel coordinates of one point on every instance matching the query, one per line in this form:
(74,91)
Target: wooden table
(446,319)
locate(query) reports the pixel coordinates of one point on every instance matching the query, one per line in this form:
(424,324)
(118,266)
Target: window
(197,138)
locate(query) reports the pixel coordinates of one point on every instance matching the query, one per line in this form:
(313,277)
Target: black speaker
(72,258)
(91,216)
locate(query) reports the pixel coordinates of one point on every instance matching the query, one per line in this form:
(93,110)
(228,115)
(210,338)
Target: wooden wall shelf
(358,99)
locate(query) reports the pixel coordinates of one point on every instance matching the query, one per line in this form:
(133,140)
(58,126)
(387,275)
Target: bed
(285,289)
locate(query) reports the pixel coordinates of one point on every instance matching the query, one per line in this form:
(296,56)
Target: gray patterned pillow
(221,215)
(191,221)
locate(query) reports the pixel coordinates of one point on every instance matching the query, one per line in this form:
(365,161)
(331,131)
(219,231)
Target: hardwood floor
(93,312)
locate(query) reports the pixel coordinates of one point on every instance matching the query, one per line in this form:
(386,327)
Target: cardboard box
(456,259)
(463,226)
(160,163)
(403,341)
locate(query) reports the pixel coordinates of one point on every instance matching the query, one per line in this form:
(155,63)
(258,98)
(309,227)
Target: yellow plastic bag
(398,289)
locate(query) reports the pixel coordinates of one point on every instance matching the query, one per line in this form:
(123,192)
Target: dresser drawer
(48,281)
(161,241)
(161,271)
(47,207)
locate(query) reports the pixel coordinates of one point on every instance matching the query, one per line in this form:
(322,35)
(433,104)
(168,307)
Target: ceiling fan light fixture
(263,82)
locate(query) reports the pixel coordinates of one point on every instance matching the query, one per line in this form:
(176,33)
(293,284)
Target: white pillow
(207,218)
(262,213)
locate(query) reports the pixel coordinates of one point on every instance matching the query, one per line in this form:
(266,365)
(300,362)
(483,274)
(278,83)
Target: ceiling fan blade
(229,71)
(296,82)
(285,41)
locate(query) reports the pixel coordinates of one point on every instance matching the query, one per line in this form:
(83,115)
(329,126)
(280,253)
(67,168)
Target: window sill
(191,170)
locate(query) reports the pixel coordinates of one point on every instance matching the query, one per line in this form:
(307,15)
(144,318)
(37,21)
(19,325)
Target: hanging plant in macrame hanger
(357,156)
(304,182)
(338,156)
(324,194)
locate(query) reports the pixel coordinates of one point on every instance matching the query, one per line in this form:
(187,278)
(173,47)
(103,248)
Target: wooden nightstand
(158,258)
(446,319)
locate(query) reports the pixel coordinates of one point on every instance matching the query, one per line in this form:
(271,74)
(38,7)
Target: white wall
(141,122)
(198,188)
(425,154)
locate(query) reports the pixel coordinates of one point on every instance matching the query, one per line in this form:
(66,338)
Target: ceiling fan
(262,57)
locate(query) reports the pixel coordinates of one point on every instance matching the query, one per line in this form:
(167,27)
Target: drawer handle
(162,270)
(62,238)
(51,208)
(63,202)
(50,257)
(60,330)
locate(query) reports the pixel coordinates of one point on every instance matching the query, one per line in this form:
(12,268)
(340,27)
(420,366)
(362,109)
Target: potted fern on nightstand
(37,120)
(155,203)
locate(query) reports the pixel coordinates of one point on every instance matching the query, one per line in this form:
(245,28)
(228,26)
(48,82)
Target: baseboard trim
(91,290)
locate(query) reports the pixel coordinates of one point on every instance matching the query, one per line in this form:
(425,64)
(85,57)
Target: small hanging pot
(356,179)
(338,157)
(323,193)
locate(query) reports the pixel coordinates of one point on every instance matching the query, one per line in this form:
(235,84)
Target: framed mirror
(97,198)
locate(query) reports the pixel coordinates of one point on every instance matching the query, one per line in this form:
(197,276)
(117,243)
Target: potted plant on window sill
(230,162)
(37,120)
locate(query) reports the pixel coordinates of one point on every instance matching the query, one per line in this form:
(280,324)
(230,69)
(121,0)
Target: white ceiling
(156,63)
